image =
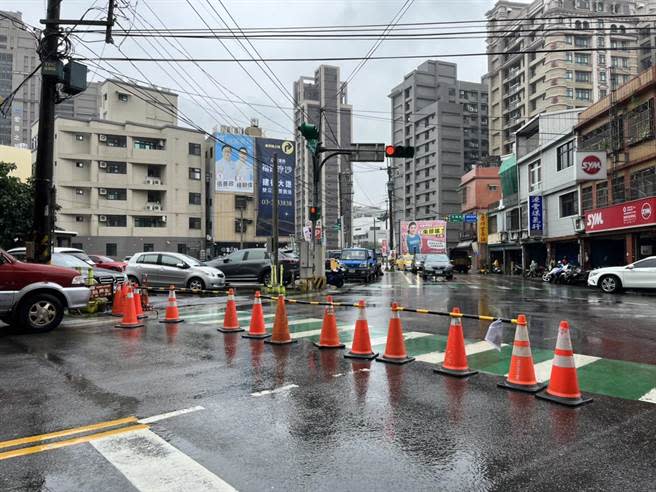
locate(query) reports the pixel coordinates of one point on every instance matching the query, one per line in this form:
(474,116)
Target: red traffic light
(389,151)
(405,152)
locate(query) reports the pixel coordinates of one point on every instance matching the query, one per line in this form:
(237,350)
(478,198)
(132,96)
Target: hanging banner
(535,217)
(265,148)
(481,228)
(423,236)
(233,165)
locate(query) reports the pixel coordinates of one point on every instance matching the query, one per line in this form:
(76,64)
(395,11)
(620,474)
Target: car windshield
(436,258)
(78,254)
(191,261)
(354,254)
(101,259)
(68,260)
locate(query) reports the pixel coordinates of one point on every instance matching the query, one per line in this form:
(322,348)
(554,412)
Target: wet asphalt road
(295,418)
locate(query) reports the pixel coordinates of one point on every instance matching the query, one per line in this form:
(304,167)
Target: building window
(602,75)
(619,194)
(143,143)
(113,220)
(149,222)
(565,156)
(194,222)
(619,61)
(492,187)
(601,42)
(568,74)
(643,183)
(122,97)
(586,198)
(582,58)
(583,94)
(113,140)
(569,92)
(601,58)
(194,148)
(116,168)
(79,218)
(603,92)
(568,56)
(117,194)
(79,138)
(640,123)
(148,247)
(569,39)
(602,194)
(182,248)
(111,249)
(492,224)
(583,76)
(582,41)
(569,204)
(534,175)
(194,199)
(194,173)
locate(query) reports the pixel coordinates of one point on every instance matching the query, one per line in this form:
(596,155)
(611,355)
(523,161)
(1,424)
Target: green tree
(16,203)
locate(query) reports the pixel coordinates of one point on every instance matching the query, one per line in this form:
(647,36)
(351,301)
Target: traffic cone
(521,375)
(137,303)
(395,352)
(257,328)
(564,384)
(230,320)
(172,313)
(329,337)
(455,358)
(119,300)
(280,334)
(361,347)
(129,315)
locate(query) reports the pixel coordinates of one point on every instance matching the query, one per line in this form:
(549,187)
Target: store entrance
(646,244)
(607,252)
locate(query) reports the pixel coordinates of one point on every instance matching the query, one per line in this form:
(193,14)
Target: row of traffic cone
(563,385)
(119,304)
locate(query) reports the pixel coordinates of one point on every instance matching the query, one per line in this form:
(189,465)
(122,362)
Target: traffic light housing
(314,213)
(400,151)
(311,134)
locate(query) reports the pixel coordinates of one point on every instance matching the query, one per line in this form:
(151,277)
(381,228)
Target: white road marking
(406,336)
(340,374)
(649,397)
(157,418)
(153,465)
(276,390)
(406,278)
(214,315)
(298,322)
(543,369)
(470,349)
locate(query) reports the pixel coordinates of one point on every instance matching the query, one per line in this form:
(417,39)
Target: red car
(108,263)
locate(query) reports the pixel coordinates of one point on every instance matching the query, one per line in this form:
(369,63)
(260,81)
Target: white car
(638,275)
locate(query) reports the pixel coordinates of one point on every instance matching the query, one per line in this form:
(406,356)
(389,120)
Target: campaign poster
(233,169)
(423,236)
(265,149)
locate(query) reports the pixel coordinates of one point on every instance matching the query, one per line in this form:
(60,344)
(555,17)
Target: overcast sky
(367,91)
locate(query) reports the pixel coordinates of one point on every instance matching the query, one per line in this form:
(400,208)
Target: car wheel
(265,277)
(40,313)
(196,284)
(610,284)
(133,279)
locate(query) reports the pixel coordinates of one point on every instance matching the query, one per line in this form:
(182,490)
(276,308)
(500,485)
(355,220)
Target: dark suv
(254,265)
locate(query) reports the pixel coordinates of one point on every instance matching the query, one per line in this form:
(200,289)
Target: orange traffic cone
(230,320)
(257,329)
(280,335)
(564,384)
(137,303)
(455,359)
(130,315)
(395,352)
(521,375)
(361,348)
(329,337)
(172,313)
(119,300)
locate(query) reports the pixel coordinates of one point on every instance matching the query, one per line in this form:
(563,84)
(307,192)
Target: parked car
(107,263)
(418,263)
(638,275)
(437,265)
(404,262)
(78,253)
(161,269)
(254,265)
(101,276)
(359,264)
(34,296)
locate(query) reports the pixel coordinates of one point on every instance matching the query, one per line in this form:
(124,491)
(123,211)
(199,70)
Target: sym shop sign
(591,166)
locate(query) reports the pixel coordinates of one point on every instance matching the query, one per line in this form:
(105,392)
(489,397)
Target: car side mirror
(630,267)
(182,265)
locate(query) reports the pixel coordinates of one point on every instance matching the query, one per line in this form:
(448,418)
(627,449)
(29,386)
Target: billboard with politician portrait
(423,236)
(284,150)
(233,169)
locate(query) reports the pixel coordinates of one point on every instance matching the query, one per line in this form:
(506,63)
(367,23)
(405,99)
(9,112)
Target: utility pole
(274,246)
(241,227)
(390,213)
(43,170)
(374,233)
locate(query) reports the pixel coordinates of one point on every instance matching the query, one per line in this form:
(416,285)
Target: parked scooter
(554,273)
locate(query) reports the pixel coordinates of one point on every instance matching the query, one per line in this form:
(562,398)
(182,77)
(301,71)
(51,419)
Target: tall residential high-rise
(446,121)
(647,32)
(324,97)
(523,83)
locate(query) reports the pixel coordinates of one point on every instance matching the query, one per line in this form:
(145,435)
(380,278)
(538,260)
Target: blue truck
(360,264)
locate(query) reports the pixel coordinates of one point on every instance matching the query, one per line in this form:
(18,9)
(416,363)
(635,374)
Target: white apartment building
(523,83)
(132,181)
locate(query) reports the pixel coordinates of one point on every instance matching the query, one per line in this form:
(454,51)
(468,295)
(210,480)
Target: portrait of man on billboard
(223,167)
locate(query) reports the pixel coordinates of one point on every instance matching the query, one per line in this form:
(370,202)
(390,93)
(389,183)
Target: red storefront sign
(637,213)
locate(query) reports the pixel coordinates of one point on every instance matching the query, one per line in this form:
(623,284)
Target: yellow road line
(69,442)
(66,432)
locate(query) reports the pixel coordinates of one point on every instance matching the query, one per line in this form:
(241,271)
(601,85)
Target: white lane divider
(281,389)
(649,397)
(153,465)
(168,415)
(543,369)
(406,336)
(470,349)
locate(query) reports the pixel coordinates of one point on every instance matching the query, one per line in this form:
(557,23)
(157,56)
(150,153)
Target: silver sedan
(161,269)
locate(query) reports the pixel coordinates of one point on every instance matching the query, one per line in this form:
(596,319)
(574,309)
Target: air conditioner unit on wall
(157,207)
(514,235)
(149,181)
(149,206)
(102,218)
(102,164)
(579,224)
(102,191)
(79,164)
(156,181)
(503,236)
(163,218)
(102,138)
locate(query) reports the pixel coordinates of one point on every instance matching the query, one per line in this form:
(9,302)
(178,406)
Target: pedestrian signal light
(314,213)
(399,151)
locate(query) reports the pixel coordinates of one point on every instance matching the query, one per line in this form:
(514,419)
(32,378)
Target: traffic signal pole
(390,215)
(275,212)
(43,169)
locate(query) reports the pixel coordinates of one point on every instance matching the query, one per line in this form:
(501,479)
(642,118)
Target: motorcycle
(554,273)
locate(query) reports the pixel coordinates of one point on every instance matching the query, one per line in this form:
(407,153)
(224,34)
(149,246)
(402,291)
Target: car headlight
(594,274)
(79,280)
(211,274)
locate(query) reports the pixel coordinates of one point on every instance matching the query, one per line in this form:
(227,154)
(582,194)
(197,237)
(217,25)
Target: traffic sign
(367,152)
(470,218)
(455,218)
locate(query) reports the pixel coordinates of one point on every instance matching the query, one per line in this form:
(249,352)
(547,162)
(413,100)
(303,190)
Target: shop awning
(464,245)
